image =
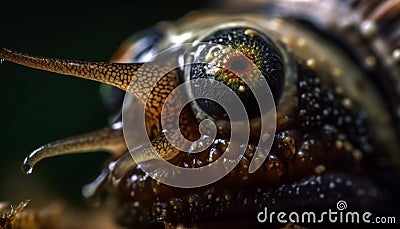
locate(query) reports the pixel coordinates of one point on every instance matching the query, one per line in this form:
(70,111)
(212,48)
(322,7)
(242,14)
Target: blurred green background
(38,107)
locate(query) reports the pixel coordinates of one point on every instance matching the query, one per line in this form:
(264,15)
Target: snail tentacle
(134,78)
(110,73)
(120,167)
(106,139)
(143,153)
(128,77)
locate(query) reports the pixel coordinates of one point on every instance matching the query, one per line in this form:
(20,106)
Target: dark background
(38,107)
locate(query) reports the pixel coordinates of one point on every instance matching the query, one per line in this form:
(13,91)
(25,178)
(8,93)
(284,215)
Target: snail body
(336,95)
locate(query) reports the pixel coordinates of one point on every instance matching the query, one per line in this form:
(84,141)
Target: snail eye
(255,49)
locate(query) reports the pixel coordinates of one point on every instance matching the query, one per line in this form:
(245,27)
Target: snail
(333,72)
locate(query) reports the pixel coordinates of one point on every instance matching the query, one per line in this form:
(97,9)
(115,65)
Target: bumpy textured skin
(331,141)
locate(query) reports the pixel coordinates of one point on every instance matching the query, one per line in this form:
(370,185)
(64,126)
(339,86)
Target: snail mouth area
(298,172)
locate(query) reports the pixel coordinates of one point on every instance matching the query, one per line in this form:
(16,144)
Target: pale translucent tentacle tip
(92,191)
(33,158)
(27,166)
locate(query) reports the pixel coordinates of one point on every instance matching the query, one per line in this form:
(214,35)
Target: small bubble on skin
(287,41)
(368,28)
(250,32)
(357,154)
(337,72)
(301,43)
(348,146)
(311,63)
(339,144)
(396,54)
(339,90)
(347,102)
(319,169)
(318,179)
(370,61)
(136,204)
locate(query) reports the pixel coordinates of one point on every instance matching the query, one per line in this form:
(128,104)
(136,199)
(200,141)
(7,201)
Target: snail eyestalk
(118,75)
(106,139)
(128,77)
(143,153)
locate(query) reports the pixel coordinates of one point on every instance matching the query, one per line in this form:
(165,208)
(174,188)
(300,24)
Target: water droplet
(1,60)
(27,169)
